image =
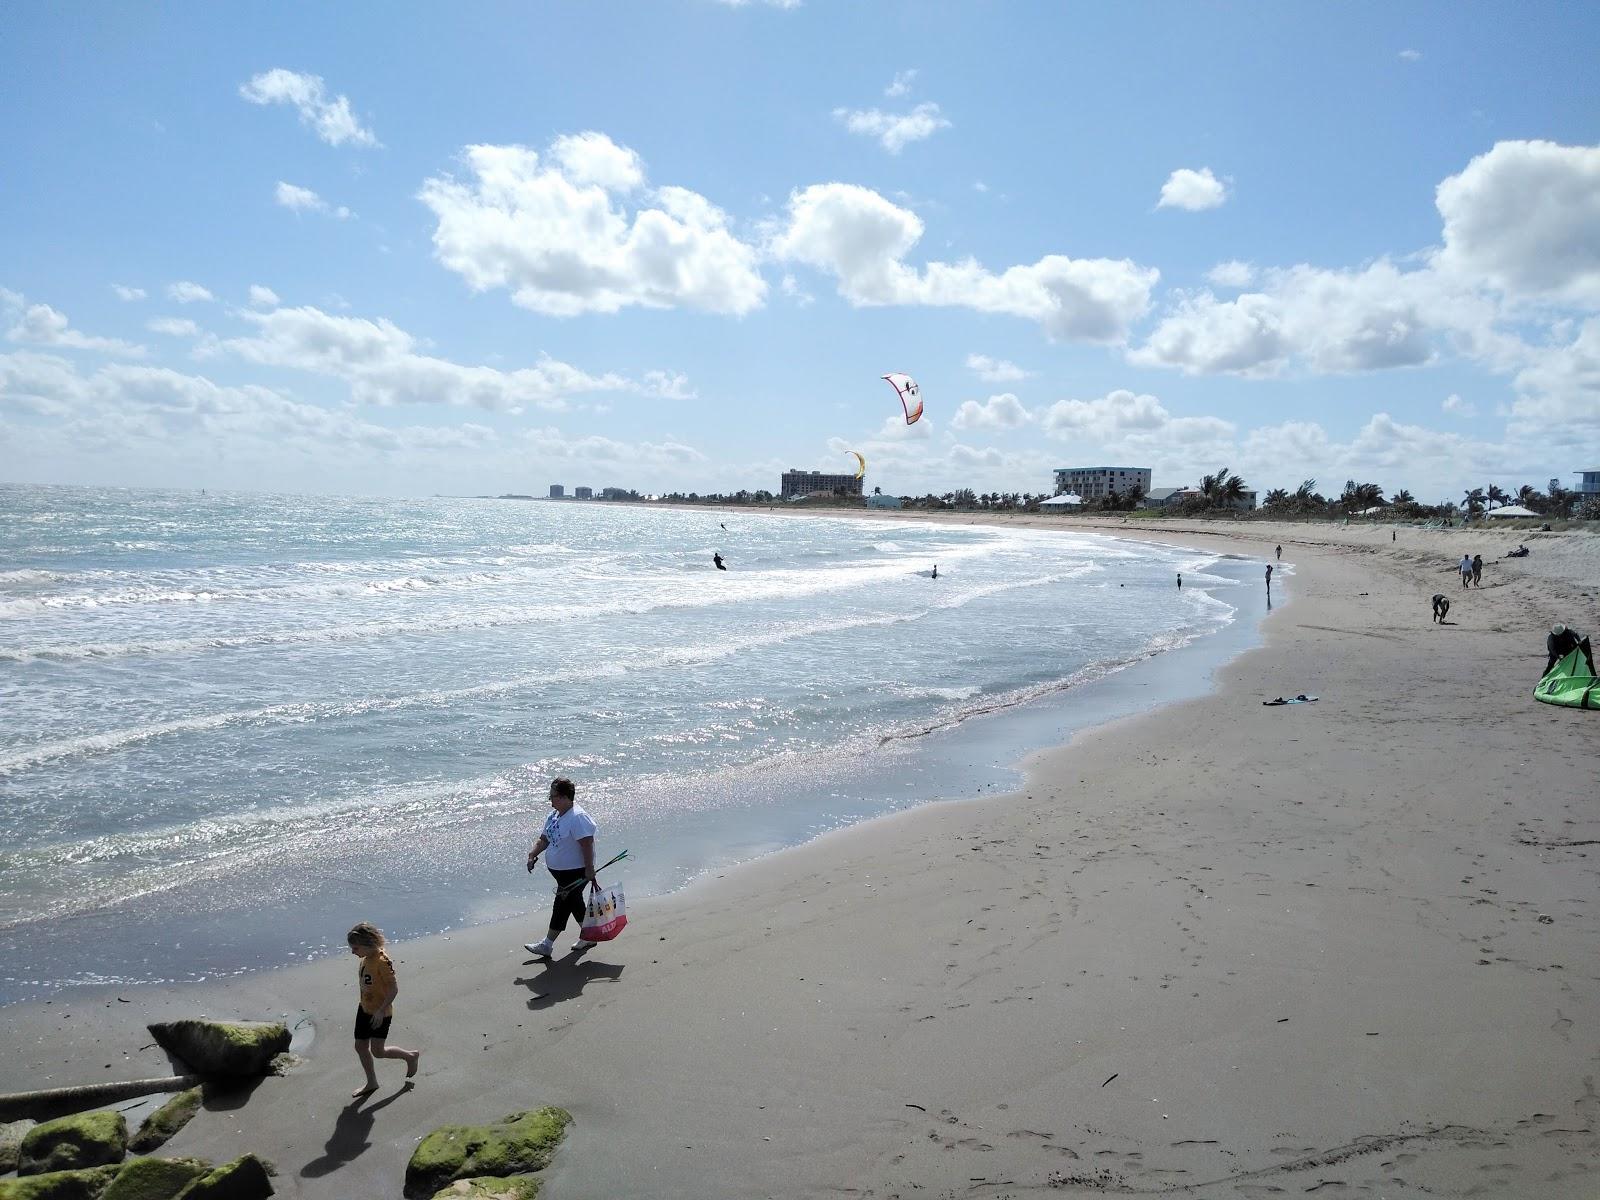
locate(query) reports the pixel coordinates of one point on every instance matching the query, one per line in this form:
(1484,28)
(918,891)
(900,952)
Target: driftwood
(52,1102)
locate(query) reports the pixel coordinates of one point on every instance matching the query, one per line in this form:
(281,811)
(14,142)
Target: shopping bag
(607,915)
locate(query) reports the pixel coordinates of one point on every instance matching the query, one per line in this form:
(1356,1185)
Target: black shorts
(366,1028)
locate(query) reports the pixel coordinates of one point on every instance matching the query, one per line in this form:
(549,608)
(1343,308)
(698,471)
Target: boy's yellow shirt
(376,977)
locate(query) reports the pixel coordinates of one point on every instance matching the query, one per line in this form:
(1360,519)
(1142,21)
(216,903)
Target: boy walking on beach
(568,835)
(375,1009)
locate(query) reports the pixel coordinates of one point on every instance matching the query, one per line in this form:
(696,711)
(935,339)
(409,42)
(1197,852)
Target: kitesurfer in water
(716,557)
(935,574)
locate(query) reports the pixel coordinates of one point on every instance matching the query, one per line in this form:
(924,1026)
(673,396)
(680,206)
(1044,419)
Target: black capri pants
(568,902)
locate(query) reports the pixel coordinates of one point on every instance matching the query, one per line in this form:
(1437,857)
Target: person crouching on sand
(375,1009)
(569,837)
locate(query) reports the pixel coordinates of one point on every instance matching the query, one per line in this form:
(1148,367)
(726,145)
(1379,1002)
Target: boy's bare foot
(411,1063)
(363,1091)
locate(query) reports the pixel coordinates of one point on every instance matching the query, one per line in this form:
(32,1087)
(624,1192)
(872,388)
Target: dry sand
(1221,949)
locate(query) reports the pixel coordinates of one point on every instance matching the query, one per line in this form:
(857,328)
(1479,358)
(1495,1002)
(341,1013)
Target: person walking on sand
(375,1008)
(1477,570)
(1465,567)
(568,835)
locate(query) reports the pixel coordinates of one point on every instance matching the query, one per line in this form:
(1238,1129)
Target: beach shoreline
(1211,946)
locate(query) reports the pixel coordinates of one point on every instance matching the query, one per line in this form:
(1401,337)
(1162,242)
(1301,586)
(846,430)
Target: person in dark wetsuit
(716,557)
(1562,642)
(935,574)
(1441,606)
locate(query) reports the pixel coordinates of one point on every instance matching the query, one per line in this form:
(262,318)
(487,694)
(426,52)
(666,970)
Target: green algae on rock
(59,1185)
(523,1141)
(247,1178)
(223,1049)
(71,1143)
(485,1187)
(11,1135)
(165,1121)
(154,1178)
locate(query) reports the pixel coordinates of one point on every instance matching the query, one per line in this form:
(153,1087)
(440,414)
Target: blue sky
(674,244)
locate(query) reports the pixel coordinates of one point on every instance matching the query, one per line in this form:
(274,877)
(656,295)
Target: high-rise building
(1096,483)
(805,483)
(557,491)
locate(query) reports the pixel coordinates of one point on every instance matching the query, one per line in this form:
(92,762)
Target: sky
(675,244)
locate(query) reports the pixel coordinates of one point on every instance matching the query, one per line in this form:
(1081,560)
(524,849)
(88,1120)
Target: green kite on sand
(1569,683)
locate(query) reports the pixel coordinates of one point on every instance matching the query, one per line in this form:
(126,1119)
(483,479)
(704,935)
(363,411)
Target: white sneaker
(540,949)
(579,946)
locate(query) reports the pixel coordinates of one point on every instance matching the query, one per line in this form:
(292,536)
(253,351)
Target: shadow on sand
(349,1138)
(564,979)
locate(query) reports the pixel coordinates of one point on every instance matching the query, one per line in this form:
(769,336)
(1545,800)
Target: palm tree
(1135,497)
(1473,502)
(1497,497)
(1276,498)
(1404,497)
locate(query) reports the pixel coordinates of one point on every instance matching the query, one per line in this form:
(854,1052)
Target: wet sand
(1234,950)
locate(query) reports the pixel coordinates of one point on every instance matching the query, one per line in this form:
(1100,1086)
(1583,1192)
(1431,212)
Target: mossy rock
(247,1178)
(165,1121)
(59,1185)
(486,1187)
(11,1135)
(72,1143)
(154,1178)
(521,1142)
(223,1049)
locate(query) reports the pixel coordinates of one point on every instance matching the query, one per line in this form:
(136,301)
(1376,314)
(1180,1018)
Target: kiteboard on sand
(1569,683)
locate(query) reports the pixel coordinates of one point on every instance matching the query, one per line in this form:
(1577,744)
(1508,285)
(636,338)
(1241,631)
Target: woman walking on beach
(375,1009)
(568,835)
(1477,570)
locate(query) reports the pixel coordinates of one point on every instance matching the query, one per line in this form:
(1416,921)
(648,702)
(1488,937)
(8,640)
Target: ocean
(234,724)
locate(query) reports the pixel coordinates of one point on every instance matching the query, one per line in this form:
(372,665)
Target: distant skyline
(673,245)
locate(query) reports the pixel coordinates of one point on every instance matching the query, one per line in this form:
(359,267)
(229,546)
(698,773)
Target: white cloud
(901,84)
(1336,321)
(173,326)
(894,131)
(41,325)
(862,238)
(1411,55)
(332,119)
(1455,404)
(380,363)
(564,245)
(127,293)
(593,158)
(668,385)
(790,287)
(1558,394)
(185,292)
(980,186)
(1192,190)
(767,3)
(299,199)
(263,297)
(995,370)
(1004,411)
(1232,274)
(1524,218)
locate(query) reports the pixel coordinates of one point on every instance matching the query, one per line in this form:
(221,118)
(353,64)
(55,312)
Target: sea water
(235,724)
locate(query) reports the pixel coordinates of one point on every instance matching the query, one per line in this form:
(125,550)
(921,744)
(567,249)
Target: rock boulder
(513,1187)
(11,1135)
(246,1178)
(223,1049)
(72,1143)
(165,1121)
(59,1185)
(154,1178)
(521,1142)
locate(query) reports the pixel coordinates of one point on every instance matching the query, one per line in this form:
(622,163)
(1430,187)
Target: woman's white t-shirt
(562,831)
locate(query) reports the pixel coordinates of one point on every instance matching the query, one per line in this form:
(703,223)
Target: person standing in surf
(568,836)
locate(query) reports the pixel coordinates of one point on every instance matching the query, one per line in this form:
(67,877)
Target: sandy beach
(1220,949)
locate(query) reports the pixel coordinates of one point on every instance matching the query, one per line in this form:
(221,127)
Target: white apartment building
(1096,483)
